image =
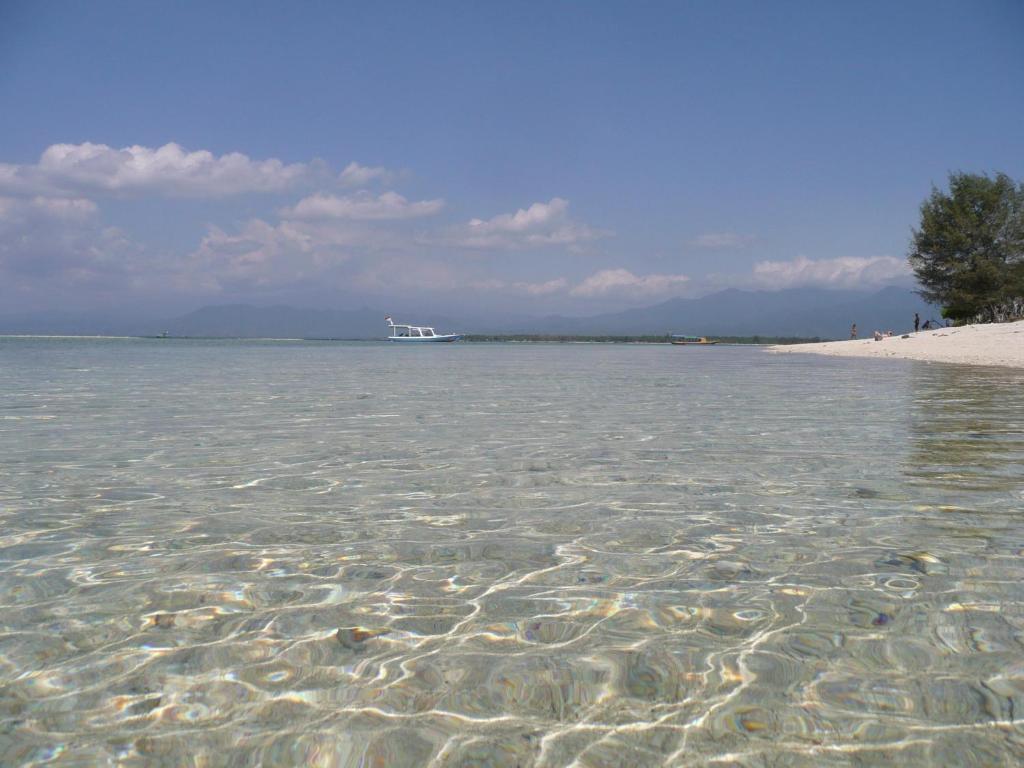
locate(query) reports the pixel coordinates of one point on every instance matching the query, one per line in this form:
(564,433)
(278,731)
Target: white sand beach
(990,344)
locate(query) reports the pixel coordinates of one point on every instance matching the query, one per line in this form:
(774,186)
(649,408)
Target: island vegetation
(968,252)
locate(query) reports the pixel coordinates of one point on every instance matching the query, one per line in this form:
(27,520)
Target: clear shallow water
(258,553)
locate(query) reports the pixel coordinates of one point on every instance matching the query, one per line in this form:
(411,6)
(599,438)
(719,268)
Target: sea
(280,553)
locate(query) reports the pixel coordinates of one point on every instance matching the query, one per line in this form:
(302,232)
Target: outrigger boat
(701,340)
(418,333)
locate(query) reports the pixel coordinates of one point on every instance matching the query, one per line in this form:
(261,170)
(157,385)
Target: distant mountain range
(795,312)
(804,312)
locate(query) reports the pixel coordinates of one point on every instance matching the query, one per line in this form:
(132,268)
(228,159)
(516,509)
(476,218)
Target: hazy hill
(96,323)
(796,312)
(278,321)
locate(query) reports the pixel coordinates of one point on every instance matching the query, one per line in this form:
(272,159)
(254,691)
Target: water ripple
(333,554)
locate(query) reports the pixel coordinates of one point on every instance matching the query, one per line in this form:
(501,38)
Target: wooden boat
(694,340)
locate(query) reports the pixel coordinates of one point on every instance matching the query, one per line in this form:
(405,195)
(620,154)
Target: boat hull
(427,339)
(694,343)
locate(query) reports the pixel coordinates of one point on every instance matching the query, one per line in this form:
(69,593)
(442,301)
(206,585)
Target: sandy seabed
(989,344)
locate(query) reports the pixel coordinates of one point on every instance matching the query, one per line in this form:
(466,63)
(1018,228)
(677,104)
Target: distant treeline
(663,339)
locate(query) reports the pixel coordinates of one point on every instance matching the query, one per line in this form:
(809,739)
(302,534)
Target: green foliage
(968,253)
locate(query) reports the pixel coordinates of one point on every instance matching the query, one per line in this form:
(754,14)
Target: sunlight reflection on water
(350,554)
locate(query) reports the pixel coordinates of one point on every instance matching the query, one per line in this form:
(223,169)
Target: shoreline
(998,344)
(729,341)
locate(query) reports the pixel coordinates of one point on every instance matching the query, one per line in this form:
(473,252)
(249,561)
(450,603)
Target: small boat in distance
(417,333)
(695,340)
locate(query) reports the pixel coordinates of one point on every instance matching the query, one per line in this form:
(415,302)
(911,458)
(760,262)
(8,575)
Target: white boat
(417,333)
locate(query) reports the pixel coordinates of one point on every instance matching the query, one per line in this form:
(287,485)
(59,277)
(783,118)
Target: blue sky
(532,157)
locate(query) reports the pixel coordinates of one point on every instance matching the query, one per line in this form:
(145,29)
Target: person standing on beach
(853,331)
(917,322)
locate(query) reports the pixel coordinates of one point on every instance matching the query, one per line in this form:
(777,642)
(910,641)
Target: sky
(532,157)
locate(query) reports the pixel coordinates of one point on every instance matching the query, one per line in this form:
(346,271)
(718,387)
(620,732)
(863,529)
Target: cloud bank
(52,228)
(356,175)
(169,170)
(842,272)
(52,234)
(53,248)
(623,282)
(542,224)
(361,206)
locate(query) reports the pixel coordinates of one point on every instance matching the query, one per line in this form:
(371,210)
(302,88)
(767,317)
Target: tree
(968,253)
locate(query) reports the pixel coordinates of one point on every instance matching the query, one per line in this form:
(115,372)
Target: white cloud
(411,276)
(542,289)
(537,216)
(257,255)
(52,246)
(168,170)
(531,289)
(48,239)
(261,254)
(542,224)
(842,272)
(723,240)
(609,282)
(361,206)
(265,254)
(624,282)
(356,175)
(489,284)
(16,211)
(75,209)
(20,180)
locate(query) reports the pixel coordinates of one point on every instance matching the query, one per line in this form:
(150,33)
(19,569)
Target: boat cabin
(404,332)
(411,331)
